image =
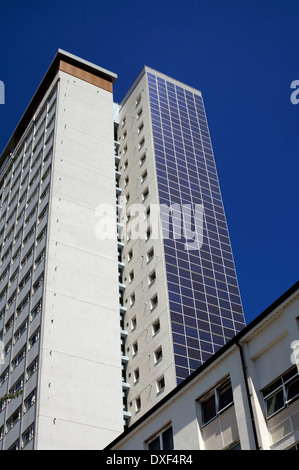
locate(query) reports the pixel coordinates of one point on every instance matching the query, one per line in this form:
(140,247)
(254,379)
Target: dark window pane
(293,389)
(225,396)
(208,409)
(274,403)
(154,444)
(167,439)
(272,387)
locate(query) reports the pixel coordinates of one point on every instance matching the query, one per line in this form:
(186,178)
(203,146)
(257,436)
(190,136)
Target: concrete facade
(134,160)
(60,311)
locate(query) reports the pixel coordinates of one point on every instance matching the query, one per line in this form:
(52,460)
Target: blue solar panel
(204,299)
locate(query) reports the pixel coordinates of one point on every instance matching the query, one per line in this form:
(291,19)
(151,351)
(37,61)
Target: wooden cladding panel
(100,82)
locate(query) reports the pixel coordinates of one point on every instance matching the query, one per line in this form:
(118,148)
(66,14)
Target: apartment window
(152,277)
(130,255)
(33,339)
(141,143)
(127,198)
(133,323)
(147,212)
(216,401)
(139,113)
(137,404)
(126,181)
(138,100)
(4,376)
(142,159)
(156,327)
(126,163)
(160,384)
(143,176)
(12,420)
(131,276)
(132,299)
(27,436)
(135,348)
(163,440)
(154,302)
(150,254)
(18,358)
(29,401)
(31,369)
(136,375)
(148,233)
(125,149)
(281,392)
(140,128)
(145,194)
(158,354)
(123,122)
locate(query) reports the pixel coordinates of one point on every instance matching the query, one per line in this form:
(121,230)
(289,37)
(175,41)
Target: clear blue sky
(243,56)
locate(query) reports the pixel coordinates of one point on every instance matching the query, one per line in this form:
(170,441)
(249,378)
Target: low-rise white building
(244,397)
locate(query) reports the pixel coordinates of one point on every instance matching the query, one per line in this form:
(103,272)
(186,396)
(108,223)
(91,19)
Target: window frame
(285,380)
(159,435)
(214,393)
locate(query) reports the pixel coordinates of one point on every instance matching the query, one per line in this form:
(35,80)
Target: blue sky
(243,56)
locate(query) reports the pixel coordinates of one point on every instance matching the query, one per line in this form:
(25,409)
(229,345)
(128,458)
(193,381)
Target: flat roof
(70,59)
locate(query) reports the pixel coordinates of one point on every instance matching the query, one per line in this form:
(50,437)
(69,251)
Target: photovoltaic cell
(204,299)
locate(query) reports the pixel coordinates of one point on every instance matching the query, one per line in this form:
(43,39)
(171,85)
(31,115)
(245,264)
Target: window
(140,128)
(150,254)
(142,159)
(152,277)
(136,375)
(126,181)
(139,113)
(156,327)
(123,122)
(131,276)
(158,354)
(141,143)
(281,392)
(160,384)
(137,404)
(154,302)
(130,255)
(147,212)
(135,348)
(143,176)
(126,163)
(145,194)
(215,402)
(133,323)
(162,440)
(138,100)
(132,299)
(27,436)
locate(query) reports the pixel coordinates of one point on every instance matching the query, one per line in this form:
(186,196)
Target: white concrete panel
(80,390)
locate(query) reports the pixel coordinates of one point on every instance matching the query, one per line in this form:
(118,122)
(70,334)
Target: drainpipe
(257,446)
